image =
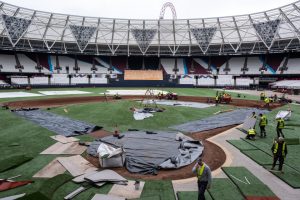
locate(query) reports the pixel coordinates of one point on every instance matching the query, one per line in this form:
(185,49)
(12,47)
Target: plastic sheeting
(225,119)
(178,103)
(284,115)
(146,153)
(56,123)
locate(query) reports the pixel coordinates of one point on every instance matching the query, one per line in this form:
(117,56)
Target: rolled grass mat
(163,188)
(13,162)
(241,145)
(224,188)
(49,187)
(292,141)
(260,145)
(156,197)
(261,198)
(191,196)
(247,183)
(259,156)
(290,175)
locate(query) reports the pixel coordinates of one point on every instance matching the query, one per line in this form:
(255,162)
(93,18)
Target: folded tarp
(56,123)
(249,123)
(146,153)
(225,119)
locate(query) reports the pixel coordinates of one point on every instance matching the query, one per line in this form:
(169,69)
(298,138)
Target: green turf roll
(259,156)
(290,175)
(247,183)
(163,188)
(241,145)
(224,188)
(13,162)
(191,196)
(49,187)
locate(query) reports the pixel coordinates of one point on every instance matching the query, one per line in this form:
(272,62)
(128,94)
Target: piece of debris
(76,165)
(130,191)
(53,169)
(106,197)
(65,149)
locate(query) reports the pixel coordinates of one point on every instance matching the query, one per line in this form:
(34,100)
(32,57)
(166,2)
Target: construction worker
(204,178)
(279,150)
(251,134)
(263,121)
(262,96)
(217,99)
(279,127)
(267,103)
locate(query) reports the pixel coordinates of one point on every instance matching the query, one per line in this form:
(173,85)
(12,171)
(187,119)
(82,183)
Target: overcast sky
(150,9)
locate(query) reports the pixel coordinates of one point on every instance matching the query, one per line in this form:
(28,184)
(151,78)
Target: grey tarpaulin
(146,153)
(249,123)
(56,123)
(225,119)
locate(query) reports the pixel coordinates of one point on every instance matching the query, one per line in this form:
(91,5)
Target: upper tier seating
(8,63)
(253,65)
(204,64)
(235,66)
(28,64)
(293,66)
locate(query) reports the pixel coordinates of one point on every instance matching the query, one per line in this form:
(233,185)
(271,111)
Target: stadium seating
(19,80)
(8,63)
(235,66)
(254,64)
(293,66)
(39,80)
(28,64)
(168,64)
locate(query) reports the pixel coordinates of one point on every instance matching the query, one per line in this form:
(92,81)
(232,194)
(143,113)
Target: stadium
(114,108)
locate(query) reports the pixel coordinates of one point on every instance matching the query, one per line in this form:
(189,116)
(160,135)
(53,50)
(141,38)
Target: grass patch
(259,156)
(203,92)
(290,176)
(255,188)
(241,145)
(108,114)
(13,162)
(223,188)
(191,196)
(162,188)
(292,141)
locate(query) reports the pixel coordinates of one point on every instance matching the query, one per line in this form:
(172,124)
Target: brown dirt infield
(54,102)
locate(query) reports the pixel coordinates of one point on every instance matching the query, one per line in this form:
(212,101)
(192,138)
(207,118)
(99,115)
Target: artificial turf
(224,189)
(290,175)
(162,188)
(12,162)
(191,196)
(259,156)
(112,113)
(204,92)
(247,183)
(241,145)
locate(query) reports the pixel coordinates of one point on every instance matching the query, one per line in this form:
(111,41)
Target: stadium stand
(254,64)
(8,63)
(235,66)
(168,64)
(28,64)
